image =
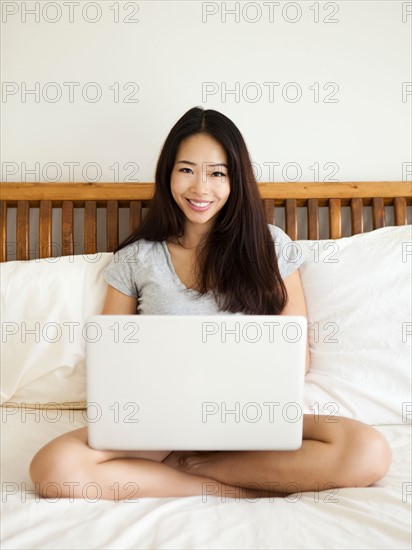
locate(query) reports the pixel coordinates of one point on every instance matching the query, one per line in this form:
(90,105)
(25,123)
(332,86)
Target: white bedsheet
(373,517)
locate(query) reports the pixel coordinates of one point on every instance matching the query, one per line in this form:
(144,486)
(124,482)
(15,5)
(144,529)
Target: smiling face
(199,181)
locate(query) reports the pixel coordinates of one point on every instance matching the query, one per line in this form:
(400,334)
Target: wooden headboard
(295,199)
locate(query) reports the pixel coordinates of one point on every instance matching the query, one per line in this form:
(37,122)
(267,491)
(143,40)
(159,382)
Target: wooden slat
(135,214)
(335,219)
(356,209)
(268,207)
(3,231)
(90,227)
(67,229)
(378,213)
(399,205)
(313,219)
(22,230)
(112,225)
(291,217)
(45,229)
(143,191)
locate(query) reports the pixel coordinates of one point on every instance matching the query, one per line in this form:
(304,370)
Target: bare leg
(345,453)
(68,468)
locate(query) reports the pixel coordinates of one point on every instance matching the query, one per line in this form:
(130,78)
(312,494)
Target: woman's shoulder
(278,235)
(129,265)
(138,248)
(289,253)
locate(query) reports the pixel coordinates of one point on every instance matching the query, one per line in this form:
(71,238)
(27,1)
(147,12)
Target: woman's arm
(296,304)
(118,303)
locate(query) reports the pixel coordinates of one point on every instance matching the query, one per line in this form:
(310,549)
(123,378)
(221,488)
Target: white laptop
(220,382)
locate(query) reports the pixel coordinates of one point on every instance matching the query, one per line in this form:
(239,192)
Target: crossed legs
(345,453)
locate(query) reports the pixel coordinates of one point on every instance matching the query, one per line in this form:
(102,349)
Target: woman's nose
(201,182)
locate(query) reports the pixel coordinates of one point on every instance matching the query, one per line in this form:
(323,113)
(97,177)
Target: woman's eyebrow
(207,163)
(186,162)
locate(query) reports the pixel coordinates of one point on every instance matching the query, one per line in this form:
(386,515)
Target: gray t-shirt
(144,269)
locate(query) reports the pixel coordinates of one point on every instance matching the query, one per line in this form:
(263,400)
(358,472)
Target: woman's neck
(193,235)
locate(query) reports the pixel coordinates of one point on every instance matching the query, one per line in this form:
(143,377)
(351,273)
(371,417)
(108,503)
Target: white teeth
(200,204)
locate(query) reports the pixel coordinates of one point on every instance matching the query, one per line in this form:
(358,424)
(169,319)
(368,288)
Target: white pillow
(52,298)
(358,294)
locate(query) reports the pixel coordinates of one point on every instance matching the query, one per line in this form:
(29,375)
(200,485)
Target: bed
(56,240)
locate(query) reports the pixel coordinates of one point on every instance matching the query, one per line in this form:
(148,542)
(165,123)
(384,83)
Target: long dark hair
(237,259)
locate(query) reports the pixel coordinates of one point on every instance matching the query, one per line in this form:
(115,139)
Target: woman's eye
(219,174)
(184,170)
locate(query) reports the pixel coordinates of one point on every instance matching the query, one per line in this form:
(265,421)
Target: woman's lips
(199,208)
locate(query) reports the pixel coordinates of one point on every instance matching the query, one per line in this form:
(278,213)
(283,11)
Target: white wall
(176,54)
(174,49)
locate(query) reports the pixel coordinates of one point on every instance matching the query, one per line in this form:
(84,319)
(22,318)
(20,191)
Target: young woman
(204,248)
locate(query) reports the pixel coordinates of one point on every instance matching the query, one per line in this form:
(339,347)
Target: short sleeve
(289,253)
(121,273)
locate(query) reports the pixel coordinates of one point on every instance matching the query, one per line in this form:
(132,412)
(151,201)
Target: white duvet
(374,517)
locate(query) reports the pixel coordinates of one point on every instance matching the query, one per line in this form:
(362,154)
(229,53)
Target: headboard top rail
(12,191)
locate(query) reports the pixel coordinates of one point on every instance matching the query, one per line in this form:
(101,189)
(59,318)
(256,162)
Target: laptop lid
(195,382)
